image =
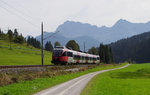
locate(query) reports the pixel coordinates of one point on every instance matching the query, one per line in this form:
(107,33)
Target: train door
(70,57)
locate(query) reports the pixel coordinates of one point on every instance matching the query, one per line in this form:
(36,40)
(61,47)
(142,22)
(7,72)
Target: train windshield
(57,52)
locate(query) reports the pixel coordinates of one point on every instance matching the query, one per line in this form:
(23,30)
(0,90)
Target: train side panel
(64,55)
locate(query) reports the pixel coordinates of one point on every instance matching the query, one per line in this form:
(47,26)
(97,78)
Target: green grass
(21,54)
(133,80)
(30,87)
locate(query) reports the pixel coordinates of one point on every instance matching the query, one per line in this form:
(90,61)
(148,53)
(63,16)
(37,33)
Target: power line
(17,10)
(51,35)
(19,17)
(20,12)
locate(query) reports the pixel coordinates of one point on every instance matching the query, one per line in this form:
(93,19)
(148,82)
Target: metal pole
(84,46)
(42,41)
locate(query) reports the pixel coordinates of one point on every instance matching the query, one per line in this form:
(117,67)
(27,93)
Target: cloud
(56,12)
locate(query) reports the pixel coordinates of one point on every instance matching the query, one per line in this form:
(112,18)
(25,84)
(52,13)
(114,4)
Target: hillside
(71,30)
(136,48)
(21,54)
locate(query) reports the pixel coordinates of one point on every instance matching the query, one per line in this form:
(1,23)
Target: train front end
(57,56)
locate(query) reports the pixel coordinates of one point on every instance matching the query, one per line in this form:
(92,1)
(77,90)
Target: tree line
(12,36)
(103,50)
(32,41)
(105,53)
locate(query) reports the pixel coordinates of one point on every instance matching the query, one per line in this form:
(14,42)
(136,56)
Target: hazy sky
(26,15)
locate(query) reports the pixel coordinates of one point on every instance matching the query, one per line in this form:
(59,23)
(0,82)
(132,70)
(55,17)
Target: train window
(70,54)
(78,57)
(75,57)
(64,54)
(94,59)
(83,58)
(86,58)
(57,52)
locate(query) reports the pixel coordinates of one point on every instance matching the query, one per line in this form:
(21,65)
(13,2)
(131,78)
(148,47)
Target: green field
(21,54)
(133,80)
(30,87)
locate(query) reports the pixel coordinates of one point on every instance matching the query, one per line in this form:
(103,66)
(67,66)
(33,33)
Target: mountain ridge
(71,30)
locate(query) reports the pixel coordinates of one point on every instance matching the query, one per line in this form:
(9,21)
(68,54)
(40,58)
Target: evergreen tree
(10,36)
(19,39)
(72,44)
(48,46)
(28,41)
(111,55)
(32,41)
(0,31)
(57,44)
(105,54)
(102,52)
(15,33)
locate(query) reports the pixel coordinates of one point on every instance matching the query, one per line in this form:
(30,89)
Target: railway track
(23,66)
(29,66)
(39,68)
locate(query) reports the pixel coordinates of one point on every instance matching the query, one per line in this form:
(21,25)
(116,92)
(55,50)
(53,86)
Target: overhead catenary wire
(23,17)
(22,13)
(28,21)
(51,35)
(17,9)
(20,17)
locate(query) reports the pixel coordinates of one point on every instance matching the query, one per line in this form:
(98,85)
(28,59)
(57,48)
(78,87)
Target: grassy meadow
(132,80)
(30,87)
(21,54)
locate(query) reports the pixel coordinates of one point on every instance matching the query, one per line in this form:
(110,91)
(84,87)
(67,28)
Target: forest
(135,48)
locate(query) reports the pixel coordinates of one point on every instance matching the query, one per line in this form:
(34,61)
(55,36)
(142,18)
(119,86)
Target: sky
(26,15)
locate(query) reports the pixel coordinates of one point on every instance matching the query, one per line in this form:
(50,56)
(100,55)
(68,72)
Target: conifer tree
(48,46)
(10,36)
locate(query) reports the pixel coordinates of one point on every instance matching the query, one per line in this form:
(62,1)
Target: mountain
(121,29)
(93,35)
(89,42)
(57,37)
(135,48)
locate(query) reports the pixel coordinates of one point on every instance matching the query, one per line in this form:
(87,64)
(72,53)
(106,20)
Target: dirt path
(74,86)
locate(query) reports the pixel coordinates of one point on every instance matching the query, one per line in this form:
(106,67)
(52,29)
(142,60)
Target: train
(65,56)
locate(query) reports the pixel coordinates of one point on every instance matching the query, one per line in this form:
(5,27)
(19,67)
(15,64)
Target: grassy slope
(133,80)
(21,55)
(30,87)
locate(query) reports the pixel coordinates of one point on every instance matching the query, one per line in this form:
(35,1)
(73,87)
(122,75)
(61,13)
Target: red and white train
(63,55)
